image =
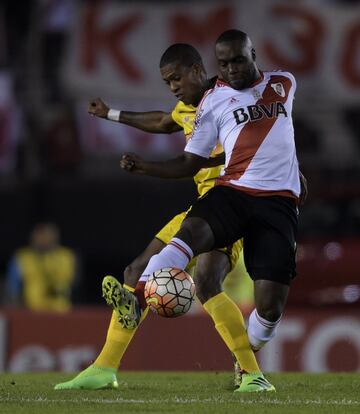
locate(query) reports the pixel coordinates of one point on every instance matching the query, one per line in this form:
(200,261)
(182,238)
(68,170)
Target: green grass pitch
(179,392)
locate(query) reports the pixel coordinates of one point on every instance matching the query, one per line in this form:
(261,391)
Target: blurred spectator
(10,125)
(41,275)
(61,149)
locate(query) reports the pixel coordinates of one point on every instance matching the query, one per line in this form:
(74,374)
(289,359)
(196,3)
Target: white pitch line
(342,402)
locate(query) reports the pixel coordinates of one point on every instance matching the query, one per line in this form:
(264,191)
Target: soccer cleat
(254,383)
(123,302)
(92,378)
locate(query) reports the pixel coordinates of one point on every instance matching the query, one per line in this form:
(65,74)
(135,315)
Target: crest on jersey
(256,94)
(279,89)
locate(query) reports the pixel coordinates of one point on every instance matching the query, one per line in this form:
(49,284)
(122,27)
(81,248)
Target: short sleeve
(292,79)
(205,132)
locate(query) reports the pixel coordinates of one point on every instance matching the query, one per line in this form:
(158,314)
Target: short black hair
(182,53)
(233,34)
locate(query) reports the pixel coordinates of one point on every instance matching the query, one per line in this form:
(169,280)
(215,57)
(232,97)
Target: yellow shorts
(173,226)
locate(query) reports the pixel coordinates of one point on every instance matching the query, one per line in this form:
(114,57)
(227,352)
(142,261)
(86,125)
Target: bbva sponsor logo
(256,112)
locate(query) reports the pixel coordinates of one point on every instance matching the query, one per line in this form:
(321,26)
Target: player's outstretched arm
(154,121)
(186,165)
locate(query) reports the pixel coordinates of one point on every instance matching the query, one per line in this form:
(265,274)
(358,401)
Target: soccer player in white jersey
(256,195)
(182,69)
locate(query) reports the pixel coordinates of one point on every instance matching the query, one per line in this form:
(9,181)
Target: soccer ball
(169,292)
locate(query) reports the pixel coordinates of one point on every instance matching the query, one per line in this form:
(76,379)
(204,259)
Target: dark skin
(237,65)
(154,122)
(187,84)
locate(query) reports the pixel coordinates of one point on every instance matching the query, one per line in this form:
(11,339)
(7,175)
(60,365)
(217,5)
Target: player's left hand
(132,163)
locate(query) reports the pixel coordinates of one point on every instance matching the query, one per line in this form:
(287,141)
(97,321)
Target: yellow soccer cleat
(123,302)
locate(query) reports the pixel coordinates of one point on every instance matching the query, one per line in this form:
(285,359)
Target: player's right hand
(98,108)
(133,163)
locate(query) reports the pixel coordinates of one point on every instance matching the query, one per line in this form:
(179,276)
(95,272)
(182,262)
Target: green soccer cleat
(123,302)
(92,378)
(254,383)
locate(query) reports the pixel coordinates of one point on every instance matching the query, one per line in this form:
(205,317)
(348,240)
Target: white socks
(260,331)
(176,254)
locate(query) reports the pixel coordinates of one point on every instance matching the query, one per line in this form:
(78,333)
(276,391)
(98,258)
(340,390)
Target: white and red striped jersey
(255,128)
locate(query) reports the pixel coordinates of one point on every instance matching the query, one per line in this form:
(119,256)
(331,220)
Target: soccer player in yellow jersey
(182,70)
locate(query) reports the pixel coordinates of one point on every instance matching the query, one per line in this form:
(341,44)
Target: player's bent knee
(206,288)
(132,274)
(196,232)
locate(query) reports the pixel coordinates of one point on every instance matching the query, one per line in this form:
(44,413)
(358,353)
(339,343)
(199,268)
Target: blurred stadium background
(58,164)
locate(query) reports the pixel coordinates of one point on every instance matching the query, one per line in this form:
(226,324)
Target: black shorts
(268,226)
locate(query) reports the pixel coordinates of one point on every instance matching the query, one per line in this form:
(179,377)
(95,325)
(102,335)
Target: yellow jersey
(47,278)
(184,115)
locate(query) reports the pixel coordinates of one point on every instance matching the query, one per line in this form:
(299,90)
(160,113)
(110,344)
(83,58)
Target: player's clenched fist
(132,163)
(98,108)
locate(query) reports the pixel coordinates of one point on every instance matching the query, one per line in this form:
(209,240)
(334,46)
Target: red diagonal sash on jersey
(253,134)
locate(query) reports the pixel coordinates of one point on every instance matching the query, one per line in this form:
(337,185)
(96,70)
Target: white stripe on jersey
(255,128)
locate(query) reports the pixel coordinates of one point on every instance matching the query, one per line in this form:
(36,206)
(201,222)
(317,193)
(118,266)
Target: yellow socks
(230,324)
(117,341)
(228,320)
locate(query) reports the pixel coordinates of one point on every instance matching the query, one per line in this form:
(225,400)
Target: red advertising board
(309,339)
